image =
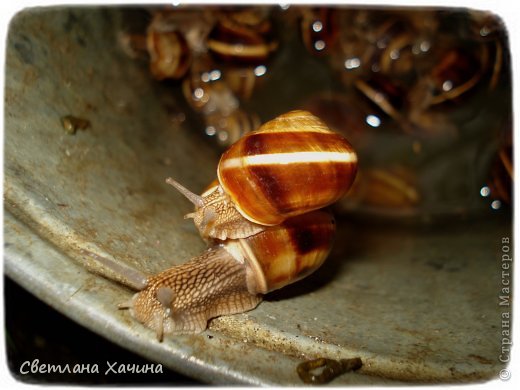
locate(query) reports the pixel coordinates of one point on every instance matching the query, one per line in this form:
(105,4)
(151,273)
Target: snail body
(231,276)
(291,165)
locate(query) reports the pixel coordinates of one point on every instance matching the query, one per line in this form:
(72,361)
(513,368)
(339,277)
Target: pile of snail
(219,57)
(410,67)
(264,220)
(414,77)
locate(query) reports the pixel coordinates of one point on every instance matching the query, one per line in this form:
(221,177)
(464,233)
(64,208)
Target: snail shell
(393,188)
(457,72)
(242,37)
(395,58)
(230,277)
(229,128)
(242,81)
(170,56)
(209,97)
(204,89)
(289,166)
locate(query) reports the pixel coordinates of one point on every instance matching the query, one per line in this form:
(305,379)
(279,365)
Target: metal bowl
(417,305)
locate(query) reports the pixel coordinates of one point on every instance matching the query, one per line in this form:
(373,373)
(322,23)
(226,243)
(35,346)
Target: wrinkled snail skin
(231,276)
(291,165)
(182,299)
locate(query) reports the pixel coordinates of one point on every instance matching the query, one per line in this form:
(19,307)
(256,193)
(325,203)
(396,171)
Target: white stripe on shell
(289,158)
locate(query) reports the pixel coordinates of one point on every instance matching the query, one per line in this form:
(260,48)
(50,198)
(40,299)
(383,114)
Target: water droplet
(198,93)
(223,135)
(447,85)
(317,26)
(425,46)
(205,77)
(211,131)
(394,54)
(496,204)
(215,74)
(352,63)
(319,45)
(260,70)
(485,191)
(373,120)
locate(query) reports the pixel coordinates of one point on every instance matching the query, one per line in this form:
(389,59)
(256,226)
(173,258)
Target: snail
(291,165)
(393,189)
(242,80)
(204,89)
(243,37)
(243,263)
(229,277)
(457,72)
(170,56)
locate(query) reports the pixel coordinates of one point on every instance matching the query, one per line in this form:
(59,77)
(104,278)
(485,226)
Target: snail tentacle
(193,198)
(216,216)
(124,274)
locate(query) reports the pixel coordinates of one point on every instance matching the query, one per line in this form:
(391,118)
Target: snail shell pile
(264,221)
(219,58)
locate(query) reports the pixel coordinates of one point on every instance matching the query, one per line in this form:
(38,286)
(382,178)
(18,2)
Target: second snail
(264,221)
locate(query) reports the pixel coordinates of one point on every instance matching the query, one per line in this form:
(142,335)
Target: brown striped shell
(288,252)
(289,166)
(242,37)
(230,277)
(170,55)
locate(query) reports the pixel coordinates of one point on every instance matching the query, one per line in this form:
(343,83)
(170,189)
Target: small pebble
(71,124)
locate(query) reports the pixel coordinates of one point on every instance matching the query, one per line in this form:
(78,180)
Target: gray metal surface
(415,304)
